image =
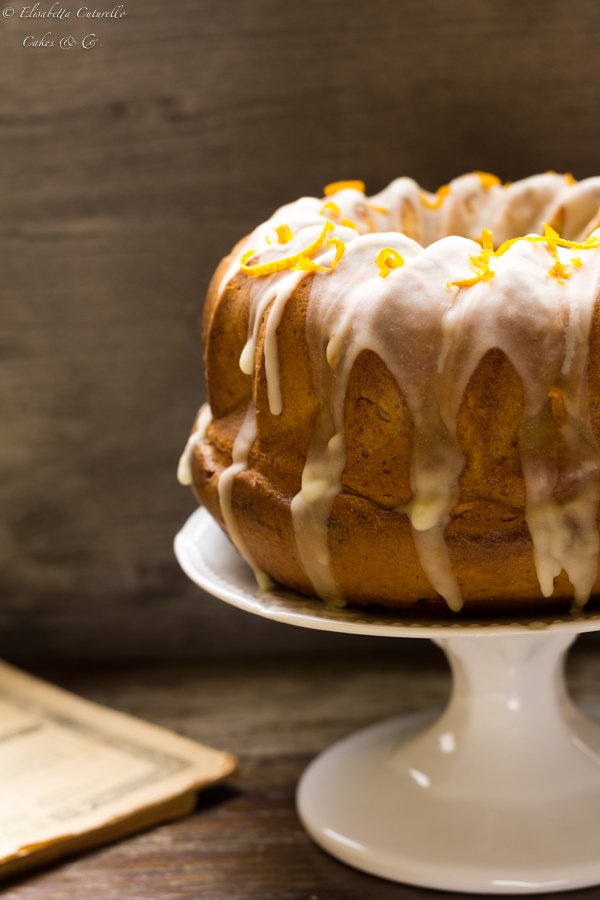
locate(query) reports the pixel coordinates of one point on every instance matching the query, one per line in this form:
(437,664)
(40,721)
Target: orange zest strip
(488,180)
(591,243)
(336,186)
(307,265)
(379,209)
(481,265)
(557,271)
(388,259)
(553,240)
(335,212)
(569,179)
(550,238)
(440,194)
(278,265)
(283,234)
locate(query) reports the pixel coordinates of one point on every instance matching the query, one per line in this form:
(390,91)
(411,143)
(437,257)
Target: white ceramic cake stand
(499,794)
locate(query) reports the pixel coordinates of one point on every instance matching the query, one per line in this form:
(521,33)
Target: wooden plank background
(128,170)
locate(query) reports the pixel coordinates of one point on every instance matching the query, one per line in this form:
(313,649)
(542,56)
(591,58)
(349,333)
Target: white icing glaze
(271,355)
(575,208)
(525,205)
(241,448)
(468,206)
(540,323)
(203,420)
(543,328)
(279,290)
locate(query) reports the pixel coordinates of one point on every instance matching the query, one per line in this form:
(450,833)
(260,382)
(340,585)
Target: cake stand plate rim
(210,561)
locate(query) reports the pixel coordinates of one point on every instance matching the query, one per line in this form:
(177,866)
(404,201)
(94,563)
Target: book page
(69,767)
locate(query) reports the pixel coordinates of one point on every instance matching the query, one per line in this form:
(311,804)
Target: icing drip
(435,562)
(402,283)
(277,293)
(241,448)
(542,326)
(574,211)
(203,420)
(280,298)
(350,312)
(525,205)
(271,357)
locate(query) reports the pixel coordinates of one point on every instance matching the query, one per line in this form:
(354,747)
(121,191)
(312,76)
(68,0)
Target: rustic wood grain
(245,841)
(127,171)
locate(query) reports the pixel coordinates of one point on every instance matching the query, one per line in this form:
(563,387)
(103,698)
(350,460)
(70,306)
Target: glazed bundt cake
(404,396)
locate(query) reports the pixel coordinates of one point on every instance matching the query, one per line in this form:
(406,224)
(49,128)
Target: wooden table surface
(245,842)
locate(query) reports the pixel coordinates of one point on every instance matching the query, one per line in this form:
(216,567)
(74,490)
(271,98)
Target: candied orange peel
(567,176)
(591,243)
(550,237)
(553,241)
(283,233)
(336,186)
(488,180)
(388,259)
(333,208)
(307,265)
(379,209)
(558,270)
(278,265)
(335,211)
(440,194)
(481,263)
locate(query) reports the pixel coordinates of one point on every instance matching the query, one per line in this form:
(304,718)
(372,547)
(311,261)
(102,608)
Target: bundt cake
(404,396)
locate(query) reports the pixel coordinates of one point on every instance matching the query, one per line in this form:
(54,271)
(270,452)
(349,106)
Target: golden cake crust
(371,546)
(419,429)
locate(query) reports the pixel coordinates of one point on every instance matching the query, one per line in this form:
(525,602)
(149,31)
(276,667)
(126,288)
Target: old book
(74,774)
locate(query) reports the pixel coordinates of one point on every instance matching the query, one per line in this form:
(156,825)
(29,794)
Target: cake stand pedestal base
(498,794)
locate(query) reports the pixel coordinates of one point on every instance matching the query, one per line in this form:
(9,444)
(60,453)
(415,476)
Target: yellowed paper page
(69,768)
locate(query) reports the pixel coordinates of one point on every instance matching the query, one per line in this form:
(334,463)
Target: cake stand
(499,794)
